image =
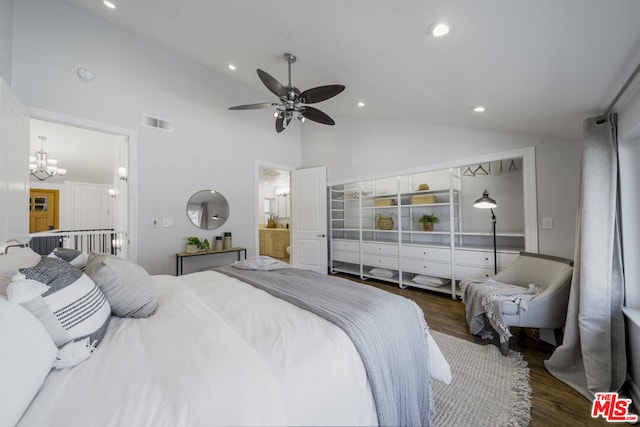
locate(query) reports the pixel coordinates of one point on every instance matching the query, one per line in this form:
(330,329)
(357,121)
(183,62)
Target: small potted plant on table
(196,245)
(428,221)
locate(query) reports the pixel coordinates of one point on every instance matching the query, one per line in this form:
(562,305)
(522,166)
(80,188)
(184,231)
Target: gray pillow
(127,286)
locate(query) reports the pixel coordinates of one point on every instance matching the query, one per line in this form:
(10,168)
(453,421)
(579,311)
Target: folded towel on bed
(263,263)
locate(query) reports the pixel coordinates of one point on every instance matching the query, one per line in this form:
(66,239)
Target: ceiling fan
(291,105)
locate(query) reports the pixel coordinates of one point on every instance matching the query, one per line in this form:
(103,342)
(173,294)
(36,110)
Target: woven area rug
(487,389)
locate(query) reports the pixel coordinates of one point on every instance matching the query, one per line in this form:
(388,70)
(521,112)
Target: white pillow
(430,280)
(381,272)
(11,262)
(27,356)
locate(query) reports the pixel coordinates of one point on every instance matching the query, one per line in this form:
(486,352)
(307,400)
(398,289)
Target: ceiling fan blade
(253,106)
(272,84)
(317,116)
(320,93)
(279,124)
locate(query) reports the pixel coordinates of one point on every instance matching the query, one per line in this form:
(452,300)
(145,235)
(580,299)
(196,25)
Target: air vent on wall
(157,123)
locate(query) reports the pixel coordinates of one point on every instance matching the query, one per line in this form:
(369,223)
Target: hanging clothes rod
(630,80)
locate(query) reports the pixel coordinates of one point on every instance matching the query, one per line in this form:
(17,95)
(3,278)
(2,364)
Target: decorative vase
(192,249)
(427,226)
(385,222)
(271,224)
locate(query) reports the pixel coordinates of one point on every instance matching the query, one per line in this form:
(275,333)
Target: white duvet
(217,352)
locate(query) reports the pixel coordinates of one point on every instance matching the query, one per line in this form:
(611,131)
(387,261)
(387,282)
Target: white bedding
(217,352)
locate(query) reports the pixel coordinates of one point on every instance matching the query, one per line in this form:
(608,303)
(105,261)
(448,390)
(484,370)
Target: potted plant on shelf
(428,221)
(272,222)
(196,245)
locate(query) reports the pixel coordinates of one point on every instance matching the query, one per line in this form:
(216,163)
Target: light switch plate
(547,223)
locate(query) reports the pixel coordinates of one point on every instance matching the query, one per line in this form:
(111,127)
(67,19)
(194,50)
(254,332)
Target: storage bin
(386,201)
(423,199)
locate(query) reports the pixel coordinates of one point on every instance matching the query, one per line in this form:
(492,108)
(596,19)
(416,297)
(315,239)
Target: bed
(214,350)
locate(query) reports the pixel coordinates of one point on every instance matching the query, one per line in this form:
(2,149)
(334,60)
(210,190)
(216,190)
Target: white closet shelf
(485,234)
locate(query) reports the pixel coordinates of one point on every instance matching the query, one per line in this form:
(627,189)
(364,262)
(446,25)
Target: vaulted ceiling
(538,67)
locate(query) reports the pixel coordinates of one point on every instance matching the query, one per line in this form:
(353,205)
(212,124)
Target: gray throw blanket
(484,298)
(389,332)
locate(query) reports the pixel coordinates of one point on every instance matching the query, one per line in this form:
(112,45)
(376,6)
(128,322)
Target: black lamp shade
(485,202)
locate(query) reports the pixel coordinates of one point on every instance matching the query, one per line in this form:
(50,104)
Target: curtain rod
(630,80)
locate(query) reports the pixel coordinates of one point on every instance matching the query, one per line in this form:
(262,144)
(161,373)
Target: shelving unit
(359,246)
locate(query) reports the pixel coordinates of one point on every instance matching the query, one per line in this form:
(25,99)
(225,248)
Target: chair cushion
(509,307)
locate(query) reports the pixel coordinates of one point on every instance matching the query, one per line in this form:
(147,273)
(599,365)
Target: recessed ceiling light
(109,4)
(232,67)
(479,109)
(361,104)
(439,29)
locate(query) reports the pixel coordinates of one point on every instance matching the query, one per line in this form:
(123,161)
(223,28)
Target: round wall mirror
(207,209)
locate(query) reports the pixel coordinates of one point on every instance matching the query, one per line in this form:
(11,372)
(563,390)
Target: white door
(309,219)
(91,206)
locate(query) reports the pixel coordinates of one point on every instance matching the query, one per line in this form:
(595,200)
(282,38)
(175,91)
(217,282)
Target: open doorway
(274,212)
(93,190)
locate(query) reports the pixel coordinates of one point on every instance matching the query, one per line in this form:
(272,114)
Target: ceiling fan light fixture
(292,100)
(439,29)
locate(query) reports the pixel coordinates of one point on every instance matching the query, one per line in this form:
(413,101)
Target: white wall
(359,148)
(629,157)
(6,39)
(14,177)
(211,147)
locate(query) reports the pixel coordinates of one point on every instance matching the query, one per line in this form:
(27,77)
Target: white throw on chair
(533,292)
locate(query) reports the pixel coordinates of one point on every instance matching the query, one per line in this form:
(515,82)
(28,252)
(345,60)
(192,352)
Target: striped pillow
(73,256)
(72,307)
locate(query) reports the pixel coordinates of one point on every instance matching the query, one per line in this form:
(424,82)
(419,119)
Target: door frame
(257,208)
(132,173)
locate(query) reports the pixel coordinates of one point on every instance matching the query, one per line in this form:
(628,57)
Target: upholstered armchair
(546,310)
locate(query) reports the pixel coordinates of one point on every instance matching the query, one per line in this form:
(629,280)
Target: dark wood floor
(553,402)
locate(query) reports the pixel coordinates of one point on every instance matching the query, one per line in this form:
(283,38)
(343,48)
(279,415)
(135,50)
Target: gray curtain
(592,355)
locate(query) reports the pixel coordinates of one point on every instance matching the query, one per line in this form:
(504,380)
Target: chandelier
(41,166)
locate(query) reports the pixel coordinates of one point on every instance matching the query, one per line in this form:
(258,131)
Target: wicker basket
(385,222)
(387,201)
(423,199)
